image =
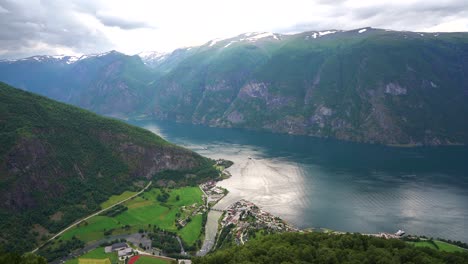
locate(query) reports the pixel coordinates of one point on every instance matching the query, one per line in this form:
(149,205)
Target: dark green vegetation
(61,249)
(389,87)
(15,258)
(326,248)
(165,241)
(59,163)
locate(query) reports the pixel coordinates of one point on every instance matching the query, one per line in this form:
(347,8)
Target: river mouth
(343,186)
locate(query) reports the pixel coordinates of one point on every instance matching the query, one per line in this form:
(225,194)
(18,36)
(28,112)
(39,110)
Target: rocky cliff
(367,85)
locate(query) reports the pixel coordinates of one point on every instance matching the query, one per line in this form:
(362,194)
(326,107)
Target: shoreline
(138,118)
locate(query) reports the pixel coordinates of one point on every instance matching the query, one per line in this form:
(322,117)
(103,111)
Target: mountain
(153,58)
(110,83)
(59,162)
(364,85)
(162,62)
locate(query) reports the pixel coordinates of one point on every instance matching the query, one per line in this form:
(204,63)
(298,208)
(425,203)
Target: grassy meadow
(438,245)
(117,198)
(150,260)
(144,211)
(97,253)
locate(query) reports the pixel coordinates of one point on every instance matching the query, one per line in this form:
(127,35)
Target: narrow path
(182,251)
(205,195)
(92,215)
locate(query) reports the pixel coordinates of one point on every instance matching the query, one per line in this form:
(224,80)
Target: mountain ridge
(364,85)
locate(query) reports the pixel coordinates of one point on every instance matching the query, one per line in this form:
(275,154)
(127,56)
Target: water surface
(344,186)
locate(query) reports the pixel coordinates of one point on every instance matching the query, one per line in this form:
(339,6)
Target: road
(88,217)
(182,251)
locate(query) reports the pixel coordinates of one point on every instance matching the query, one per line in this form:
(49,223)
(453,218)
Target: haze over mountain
(59,162)
(365,85)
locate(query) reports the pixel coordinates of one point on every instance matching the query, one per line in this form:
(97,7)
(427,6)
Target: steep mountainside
(110,83)
(58,163)
(365,85)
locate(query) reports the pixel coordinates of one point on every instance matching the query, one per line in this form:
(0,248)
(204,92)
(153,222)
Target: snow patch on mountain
(229,44)
(262,35)
(72,59)
(149,57)
(323,33)
(43,58)
(319,34)
(362,30)
(214,41)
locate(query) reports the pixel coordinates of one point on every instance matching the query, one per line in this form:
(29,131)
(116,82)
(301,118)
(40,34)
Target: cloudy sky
(31,27)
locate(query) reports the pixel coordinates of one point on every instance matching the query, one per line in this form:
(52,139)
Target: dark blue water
(344,186)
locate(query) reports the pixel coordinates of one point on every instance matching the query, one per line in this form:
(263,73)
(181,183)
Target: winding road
(92,215)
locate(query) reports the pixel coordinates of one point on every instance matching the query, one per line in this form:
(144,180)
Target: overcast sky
(31,27)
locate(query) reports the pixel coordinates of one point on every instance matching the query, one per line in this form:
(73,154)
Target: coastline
(214,223)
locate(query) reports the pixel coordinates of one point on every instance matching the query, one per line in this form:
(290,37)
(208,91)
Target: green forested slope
(59,162)
(326,248)
(378,86)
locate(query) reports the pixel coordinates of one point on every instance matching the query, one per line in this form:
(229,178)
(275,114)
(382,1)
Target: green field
(149,260)
(143,211)
(97,253)
(423,244)
(443,246)
(117,198)
(448,247)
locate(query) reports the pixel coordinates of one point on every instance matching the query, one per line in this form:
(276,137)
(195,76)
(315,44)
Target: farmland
(143,212)
(97,253)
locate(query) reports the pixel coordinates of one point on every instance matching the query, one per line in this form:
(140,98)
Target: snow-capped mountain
(67,59)
(250,37)
(46,58)
(153,58)
(153,55)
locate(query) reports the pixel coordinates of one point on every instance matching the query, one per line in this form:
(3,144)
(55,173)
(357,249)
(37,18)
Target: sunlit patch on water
(311,182)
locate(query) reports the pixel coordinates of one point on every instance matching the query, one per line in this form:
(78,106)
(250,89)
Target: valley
(59,163)
(233,132)
(364,85)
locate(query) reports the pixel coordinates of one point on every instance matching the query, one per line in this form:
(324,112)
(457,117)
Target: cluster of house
(122,249)
(212,192)
(245,216)
(398,234)
(189,211)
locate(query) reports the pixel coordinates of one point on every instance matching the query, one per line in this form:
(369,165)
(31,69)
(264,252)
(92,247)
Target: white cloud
(133,26)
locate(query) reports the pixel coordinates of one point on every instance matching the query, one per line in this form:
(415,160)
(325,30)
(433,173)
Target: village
(247,218)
